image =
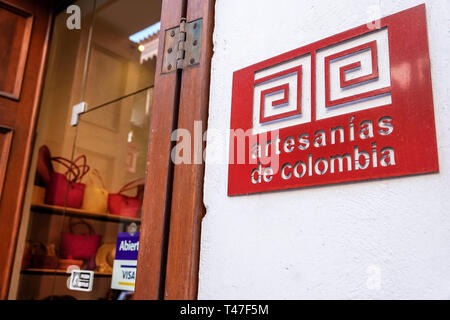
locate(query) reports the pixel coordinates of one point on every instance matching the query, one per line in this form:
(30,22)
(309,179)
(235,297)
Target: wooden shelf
(58,272)
(57,210)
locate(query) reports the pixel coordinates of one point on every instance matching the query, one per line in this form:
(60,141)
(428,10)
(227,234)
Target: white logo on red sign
(341,109)
(282,95)
(351,76)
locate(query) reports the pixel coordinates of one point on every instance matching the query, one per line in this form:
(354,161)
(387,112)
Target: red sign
(355,106)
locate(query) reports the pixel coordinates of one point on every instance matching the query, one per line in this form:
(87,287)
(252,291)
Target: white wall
(329,241)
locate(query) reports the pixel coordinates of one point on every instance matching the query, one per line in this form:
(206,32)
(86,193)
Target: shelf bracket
(76,111)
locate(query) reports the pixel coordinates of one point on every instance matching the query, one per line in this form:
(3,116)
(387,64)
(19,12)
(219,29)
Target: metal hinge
(182,46)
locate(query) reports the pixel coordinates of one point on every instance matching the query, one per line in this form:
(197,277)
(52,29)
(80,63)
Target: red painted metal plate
(354,106)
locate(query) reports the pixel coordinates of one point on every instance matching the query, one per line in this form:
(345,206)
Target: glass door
(81,220)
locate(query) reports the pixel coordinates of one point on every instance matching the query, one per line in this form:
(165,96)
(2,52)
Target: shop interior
(104,155)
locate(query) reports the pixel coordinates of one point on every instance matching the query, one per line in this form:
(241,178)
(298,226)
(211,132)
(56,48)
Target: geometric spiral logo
(353,75)
(345,81)
(284,100)
(282,95)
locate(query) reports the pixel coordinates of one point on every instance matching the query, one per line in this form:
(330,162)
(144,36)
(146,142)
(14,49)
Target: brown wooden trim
(156,206)
(187,195)
(19,72)
(21,117)
(6,135)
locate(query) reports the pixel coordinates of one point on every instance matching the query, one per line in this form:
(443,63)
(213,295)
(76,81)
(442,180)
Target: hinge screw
(169,67)
(172,33)
(192,61)
(169,50)
(195,26)
(195,42)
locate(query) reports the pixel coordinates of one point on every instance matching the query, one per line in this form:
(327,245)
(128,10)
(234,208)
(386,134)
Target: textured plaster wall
(376,239)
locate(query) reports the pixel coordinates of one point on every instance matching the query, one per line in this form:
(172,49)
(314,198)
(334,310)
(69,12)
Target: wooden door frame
(173,207)
(21,125)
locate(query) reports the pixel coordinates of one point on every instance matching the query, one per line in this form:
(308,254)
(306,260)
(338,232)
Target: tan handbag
(95,195)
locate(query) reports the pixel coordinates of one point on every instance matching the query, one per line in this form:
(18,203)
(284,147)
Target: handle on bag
(74,171)
(81,222)
(71,168)
(97,174)
(131,185)
(84,168)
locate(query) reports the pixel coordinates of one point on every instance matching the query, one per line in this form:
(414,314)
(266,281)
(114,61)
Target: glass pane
(102,66)
(116,67)
(83,234)
(37,261)
(114,139)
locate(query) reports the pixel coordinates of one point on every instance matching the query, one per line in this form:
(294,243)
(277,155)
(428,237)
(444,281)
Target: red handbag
(126,206)
(66,189)
(79,246)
